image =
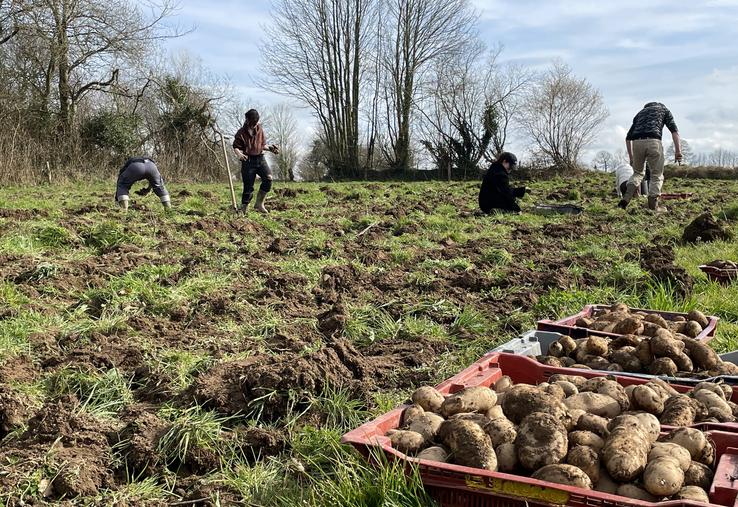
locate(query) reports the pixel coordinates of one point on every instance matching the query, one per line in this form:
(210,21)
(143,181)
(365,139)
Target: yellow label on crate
(513,488)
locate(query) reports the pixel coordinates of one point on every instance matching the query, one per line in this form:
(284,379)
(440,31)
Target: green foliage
(497,256)
(105,235)
(112,131)
(195,429)
(101,393)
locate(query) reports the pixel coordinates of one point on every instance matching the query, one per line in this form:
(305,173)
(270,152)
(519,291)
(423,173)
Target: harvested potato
(411,413)
(556,350)
(435,453)
(605,484)
(522,399)
(703,357)
(694,493)
(698,317)
(629,325)
(580,366)
(587,460)
(542,440)
(495,412)
(649,329)
(707,456)
(596,362)
(663,476)
(683,362)
(594,403)
(568,362)
(628,341)
(550,361)
(555,390)
(603,385)
(646,398)
(664,345)
(678,411)
(568,344)
(663,366)
(593,423)
(563,474)
(649,424)
(568,388)
(426,424)
(627,360)
(596,345)
(671,450)
(429,398)
(655,318)
(716,405)
(577,380)
(408,442)
(503,384)
(691,439)
(710,386)
(584,322)
(698,475)
(625,453)
(471,399)
(692,329)
(643,352)
(619,308)
(633,491)
(574,416)
(586,439)
(507,457)
(468,444)
(500,431)
(664,386)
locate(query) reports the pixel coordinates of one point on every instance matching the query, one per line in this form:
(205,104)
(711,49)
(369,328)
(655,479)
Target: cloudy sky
(682,53)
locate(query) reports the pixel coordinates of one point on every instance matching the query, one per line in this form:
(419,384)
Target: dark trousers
(137,170)
(255,165)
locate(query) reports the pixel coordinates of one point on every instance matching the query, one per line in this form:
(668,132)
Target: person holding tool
(137,169)
(496,193)
(249,144)
(644,144)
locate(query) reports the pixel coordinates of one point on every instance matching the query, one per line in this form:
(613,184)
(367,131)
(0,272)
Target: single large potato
(500,431)
(469,445)
(408,442)
(691,439)
(507,458)
(633,491)
(694,493)
(594,403)
(663,477)
(626,452)
(671,450)
(593,423)
(563,474)
(522,399)
(542,440)
(586,439)
(587,460)
(426,424)
(698,475)
(429,398)
(435,453)
(471,399)
(698,317)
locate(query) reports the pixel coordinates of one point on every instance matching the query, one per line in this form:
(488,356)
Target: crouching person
(249,144)
(496,193)
(137,169)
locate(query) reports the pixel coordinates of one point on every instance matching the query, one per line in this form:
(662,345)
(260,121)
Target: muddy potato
(671,450)
(707,456)
(523,399)
(568,388)
(584,322)
(678,411)
(611,388)
(663,366)
(683,362)
(698,475)
(542,440)
(500,431)
(716,405)
(574,416)
(408,442)
(605,484)
(650,329)
(568,362)
(663,476)
(426,424)
(656,319)
(597,362)
(471,399)
(594,403)
(649,400)
(435,453)
(614,367)
(665,346)
(577,380)
(468,444)
(698,317)
(550,361)
(650,425)
(692,329)
(411,413)
(596,345)
(507,457)
(711,386)
(429,398)
(593,423)
(633,491)
(643,352)
(664,386)
(568,344)
(703,357)
(580,366)
(693,493)
(627,360)
(563,474)
(503,384)
(619,308)
(586,439)
(556,350)
(626,452)
(691,439)
(587,460)
(555,391)
(495,412)
(630,325)
(627,340)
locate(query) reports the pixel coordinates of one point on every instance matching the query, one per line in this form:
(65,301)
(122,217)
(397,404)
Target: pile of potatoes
(648,344)
(588,433)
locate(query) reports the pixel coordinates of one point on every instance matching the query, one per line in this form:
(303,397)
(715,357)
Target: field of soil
(203,357)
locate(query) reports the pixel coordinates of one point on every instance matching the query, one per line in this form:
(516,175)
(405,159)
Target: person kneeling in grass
(496,194)
(137,169)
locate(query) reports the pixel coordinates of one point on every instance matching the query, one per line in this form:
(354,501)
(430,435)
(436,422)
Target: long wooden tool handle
(228,168)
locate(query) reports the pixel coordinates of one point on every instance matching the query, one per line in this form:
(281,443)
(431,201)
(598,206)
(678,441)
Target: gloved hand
(274,149)
(144,191)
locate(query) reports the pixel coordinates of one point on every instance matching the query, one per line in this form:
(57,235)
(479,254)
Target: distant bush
(701,172)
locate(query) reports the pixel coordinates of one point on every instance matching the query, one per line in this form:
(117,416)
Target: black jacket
(649,122)
(496,192)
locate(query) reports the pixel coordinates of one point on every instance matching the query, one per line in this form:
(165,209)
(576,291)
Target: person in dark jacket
(644,145)
(137,169)
(496,194)
(249,144)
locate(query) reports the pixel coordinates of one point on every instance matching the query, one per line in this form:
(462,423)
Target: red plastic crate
(568,325)
(671,197)
(458,486)
(722,275)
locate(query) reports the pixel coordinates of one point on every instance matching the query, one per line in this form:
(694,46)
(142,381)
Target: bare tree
(687,152)
(604,161)
(13,15)
(422,31)
(561,114)
(282,130)
(315,51)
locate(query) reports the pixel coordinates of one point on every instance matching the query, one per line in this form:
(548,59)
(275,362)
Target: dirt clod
(705,228)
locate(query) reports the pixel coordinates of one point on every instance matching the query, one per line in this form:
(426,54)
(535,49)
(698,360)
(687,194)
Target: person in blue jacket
(496,194)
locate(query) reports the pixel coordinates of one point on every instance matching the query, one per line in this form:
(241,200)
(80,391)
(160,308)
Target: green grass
(101,393)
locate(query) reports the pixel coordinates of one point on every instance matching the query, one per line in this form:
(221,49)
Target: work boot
(259,204)
(627,196)
(123,203)
(653,205)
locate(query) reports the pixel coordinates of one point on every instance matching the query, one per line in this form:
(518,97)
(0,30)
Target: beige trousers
(651,151)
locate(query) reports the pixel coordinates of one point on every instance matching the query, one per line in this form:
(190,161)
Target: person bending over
(137,169)
(249,144)
(496,194)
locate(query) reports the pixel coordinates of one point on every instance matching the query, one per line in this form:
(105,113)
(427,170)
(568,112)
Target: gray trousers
(137,169)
